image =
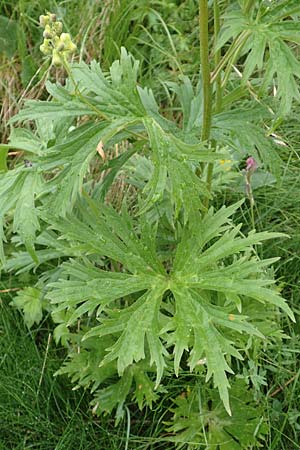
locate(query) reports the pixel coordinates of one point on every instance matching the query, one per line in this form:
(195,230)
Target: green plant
(167,282)
(204,420)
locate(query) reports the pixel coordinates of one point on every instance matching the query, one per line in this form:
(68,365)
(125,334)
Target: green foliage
(214,273)
(37,409)
(3,156)
(201,420)
(264,32)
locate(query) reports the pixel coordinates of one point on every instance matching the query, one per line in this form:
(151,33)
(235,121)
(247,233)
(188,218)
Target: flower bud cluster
(56,43)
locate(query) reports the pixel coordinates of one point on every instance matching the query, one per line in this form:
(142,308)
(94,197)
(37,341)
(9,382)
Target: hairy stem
(218,98)
(217,56)
(205,69)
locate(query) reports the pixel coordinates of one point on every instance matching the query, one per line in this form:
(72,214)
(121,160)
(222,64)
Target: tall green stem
(205,69)
(218,98)
(217,56)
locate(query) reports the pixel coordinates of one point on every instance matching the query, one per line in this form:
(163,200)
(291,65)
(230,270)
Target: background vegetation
(40,411)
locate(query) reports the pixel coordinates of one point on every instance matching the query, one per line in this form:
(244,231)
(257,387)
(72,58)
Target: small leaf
(29,302)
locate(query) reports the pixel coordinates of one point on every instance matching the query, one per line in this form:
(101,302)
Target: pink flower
(251,164)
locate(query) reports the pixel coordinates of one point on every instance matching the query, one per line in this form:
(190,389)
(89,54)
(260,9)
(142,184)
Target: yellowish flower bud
(65,38)
(71,48)
(56,43)
(46,47)
(58,26)
(56,58)
(43,49)
(60,46)
(44,20)
(47,33)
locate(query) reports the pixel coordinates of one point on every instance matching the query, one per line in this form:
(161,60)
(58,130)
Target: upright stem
(217,56)
(218,99)
(205,69)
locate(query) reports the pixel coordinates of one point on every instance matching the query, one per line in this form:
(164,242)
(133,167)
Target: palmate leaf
(71,158)
(264,38)
(19,187)
(92,289)
(215,272)
(210,427)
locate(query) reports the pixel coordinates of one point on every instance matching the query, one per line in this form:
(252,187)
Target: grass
(38,410)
